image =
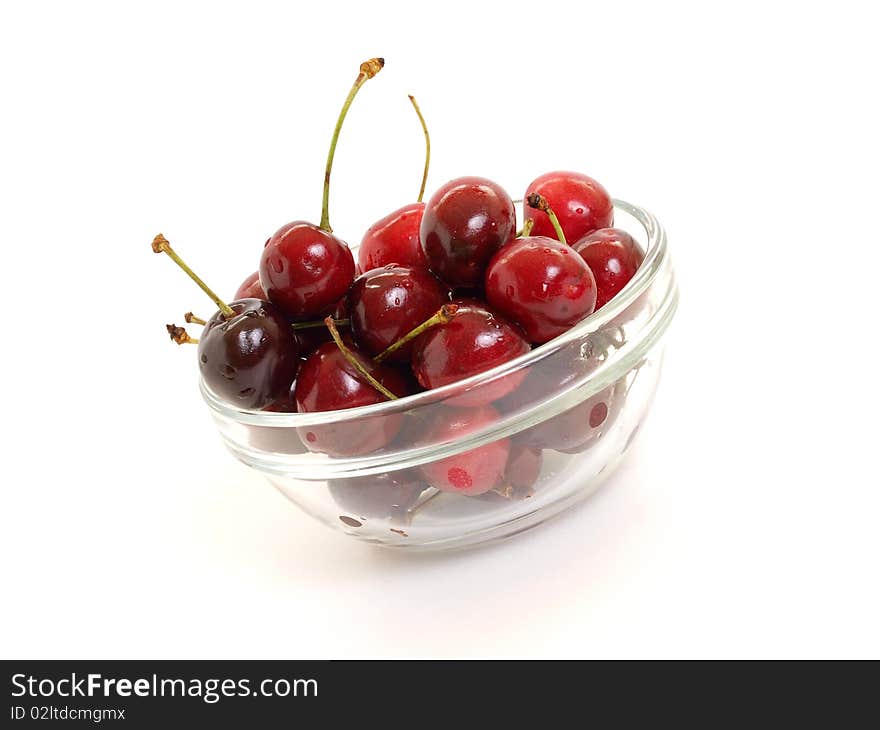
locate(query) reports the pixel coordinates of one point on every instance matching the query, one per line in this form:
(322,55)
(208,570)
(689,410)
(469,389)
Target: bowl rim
(656,258)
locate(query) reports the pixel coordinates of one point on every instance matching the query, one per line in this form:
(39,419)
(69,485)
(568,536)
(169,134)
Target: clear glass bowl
(580,403)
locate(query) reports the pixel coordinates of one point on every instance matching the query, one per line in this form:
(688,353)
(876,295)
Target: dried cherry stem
(508,491)
(161,245)
(368,70)
(415,104)
(444,315)
(192,319)
(354,362)
(180,335)
(539,202)
(320,323)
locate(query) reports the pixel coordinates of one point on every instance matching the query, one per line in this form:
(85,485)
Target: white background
(745,521)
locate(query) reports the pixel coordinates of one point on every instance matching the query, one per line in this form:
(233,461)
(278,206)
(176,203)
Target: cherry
(304,268)
(523,469)
(581,203)
(613,256)
(285,404)
(472,472)
(542,285)
(336,376)
(384,496)
(385,304)
(474,341)
(250,358)
(579,427)
(251,288)
(247,351)
(395,238)
(465,222)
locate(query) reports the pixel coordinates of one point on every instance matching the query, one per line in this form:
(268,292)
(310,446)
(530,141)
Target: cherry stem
(180,335)
(505,490)
(354,362)
(527,228)
(444,315)
(539,202)
(320,323)
(415,104)
(192,319)
(368,70)
(161,245)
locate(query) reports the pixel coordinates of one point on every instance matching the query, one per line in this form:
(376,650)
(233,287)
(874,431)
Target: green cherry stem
(192,319)
(368,70)
(444,315)
(354,362)
(539,202)
(161,245)
(527,228)
(320,323)
(415,104)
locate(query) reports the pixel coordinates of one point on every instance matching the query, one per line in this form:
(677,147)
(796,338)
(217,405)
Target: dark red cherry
(574,430)
(465,222)
(579,428)
(328,382)
(285,404)
(394,240)
(251,288)
(305,270)
(250,358)
(384,304)
(581,204)
(542,285)
(472,472)
(523,468)
(474,341)
(613,256)
(384,496)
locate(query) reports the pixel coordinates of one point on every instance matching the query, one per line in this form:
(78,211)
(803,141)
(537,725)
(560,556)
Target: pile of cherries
(441,291)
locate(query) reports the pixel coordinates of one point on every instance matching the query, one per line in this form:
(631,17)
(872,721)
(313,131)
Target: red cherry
(474,341)
(394,240)
(327,381)
(542,285)
(581,204)
(384,304)
(305,270)
(613,256)
(465,222)
(251,288)
(475,471)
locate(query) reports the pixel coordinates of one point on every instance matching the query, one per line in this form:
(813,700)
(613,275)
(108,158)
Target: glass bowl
(577,405)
